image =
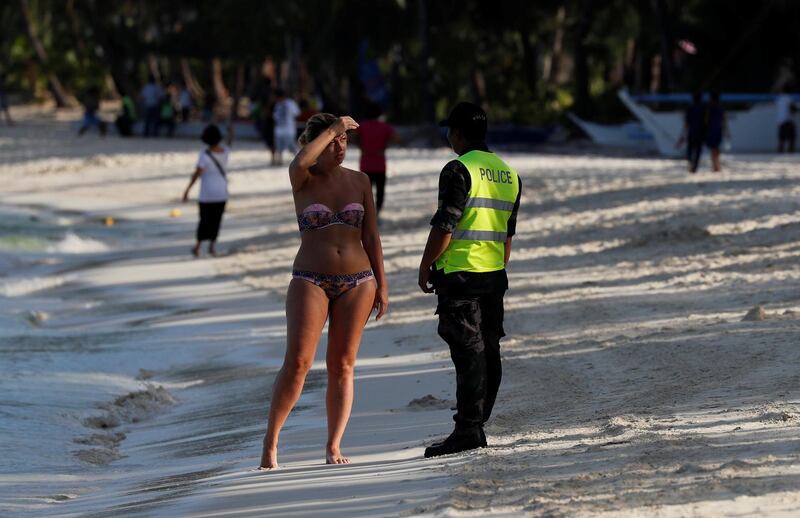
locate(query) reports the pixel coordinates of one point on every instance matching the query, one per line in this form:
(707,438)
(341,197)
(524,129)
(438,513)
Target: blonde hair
(316,125)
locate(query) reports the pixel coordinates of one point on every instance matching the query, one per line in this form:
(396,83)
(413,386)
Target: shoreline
(632,384)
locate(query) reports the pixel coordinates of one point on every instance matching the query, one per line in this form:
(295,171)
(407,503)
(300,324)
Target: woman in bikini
(338,275)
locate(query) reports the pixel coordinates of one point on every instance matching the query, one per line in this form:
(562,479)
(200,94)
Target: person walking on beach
(337,276)
(151,96)
(91,104)
(694,129)
(374,136)
(716,128)
(211,165)
(787,132)
(284,114)
(464,262)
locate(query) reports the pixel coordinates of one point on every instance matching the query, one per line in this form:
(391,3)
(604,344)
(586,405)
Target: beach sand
(653,329)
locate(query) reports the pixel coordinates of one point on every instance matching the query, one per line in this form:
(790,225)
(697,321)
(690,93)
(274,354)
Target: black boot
(484,444)
(456,442)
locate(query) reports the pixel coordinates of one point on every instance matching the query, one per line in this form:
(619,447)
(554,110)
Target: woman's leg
(306,311)
(349,313)
(215,221)
(380,190)
(202,226)
(715,159)
(694,148)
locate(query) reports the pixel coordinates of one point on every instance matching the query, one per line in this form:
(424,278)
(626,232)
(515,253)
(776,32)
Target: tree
(59,95)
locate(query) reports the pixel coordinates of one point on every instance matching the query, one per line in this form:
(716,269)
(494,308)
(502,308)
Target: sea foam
(26,286)
(74,244)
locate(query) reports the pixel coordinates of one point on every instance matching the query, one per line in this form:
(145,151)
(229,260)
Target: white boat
(630,135)
(751,131)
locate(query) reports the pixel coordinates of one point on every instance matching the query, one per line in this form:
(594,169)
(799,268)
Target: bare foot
(196,250)
(212,250)
(269,460)
(334,456)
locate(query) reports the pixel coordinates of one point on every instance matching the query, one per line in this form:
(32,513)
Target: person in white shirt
(786,129)
(285,115)
(211,165)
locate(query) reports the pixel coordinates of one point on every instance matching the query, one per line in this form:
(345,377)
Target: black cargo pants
(472,327)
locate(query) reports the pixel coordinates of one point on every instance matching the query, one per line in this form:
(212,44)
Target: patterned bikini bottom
(334,285)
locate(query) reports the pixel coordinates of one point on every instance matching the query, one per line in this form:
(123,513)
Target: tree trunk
(53,83)
(428,114)
(641,54)
(76,29)
(667,45)
(554,66)
(291,79)
(582,28)
(189,80)
(655,74)
(394,80)
(152,66)
(530,60)
(237,95)
(238,89)
(425,55)
(479,88)
(216,79)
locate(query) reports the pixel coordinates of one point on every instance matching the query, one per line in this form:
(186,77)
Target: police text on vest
(496,176)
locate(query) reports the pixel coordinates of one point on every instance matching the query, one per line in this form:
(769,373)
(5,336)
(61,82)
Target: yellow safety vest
(478,241)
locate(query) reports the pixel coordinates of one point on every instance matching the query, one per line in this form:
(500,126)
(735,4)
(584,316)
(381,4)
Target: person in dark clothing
(167,114)
(785,110)
(716,128)
(91,104)
(694,130)
(464,262)
(127,116)
(151,95)
(262,112)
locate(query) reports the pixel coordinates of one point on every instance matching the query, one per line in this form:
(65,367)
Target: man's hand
(425,279)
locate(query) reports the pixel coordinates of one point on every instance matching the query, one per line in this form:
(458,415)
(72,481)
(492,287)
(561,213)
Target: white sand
(632,384)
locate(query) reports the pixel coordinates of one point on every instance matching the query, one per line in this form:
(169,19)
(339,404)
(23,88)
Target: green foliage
(503,54)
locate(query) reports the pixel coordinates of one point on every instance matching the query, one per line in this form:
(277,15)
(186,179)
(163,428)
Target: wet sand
(633,383)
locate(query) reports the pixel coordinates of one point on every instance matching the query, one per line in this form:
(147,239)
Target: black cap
(466,116)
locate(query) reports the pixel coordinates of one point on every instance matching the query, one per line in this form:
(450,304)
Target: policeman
(464,263)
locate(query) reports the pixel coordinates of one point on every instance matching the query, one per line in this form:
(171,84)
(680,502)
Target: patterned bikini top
(317,216)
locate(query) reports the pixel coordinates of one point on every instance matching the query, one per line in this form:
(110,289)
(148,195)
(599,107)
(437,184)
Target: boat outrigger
(753,130)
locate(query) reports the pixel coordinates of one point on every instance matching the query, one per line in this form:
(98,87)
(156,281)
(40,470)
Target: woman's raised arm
(308,154)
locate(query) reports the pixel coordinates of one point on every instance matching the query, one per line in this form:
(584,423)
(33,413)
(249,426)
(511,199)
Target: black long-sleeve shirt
(454,186)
